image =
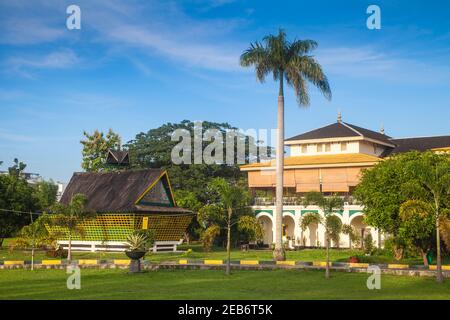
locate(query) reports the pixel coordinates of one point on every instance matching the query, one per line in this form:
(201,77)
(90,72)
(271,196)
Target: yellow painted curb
(51,262)
(87,261)
(122,261)
(358,265)
(286,263)
(13,262)
(253,262)
(213,262)
(320,263)
(183,261)
(434,267)
(398,266)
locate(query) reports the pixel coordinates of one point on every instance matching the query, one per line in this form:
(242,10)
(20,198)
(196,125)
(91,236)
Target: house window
(327,147)
(343,146)
(319,147)
(304,148)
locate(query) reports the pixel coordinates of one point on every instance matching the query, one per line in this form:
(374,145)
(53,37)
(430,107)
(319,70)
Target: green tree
(429,187)
(293,62)
(152,149)
(95,149)
(381,192)
(228,207)
(331,223)
(187,199)
(16,201)
(45,193)
(70,217)
(417,226)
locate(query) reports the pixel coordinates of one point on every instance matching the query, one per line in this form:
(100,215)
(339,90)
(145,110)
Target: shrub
(368,244)
(208,237)
(57,253)
(141,240)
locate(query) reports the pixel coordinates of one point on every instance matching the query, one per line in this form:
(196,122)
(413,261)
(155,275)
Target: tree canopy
(95,149)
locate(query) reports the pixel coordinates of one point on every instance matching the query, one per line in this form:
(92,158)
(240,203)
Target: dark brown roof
(147,208)
(341,130)
(419,144)
(112,191)
(118,157)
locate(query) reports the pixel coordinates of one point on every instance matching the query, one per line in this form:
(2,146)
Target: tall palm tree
(290,61)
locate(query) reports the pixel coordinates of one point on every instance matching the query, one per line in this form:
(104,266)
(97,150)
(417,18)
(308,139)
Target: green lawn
(340,255)
(213,284)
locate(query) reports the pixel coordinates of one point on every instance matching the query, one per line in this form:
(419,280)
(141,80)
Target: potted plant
(138,244)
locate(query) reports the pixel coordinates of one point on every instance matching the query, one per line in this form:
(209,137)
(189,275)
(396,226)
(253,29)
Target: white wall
(346,218)
(352,147)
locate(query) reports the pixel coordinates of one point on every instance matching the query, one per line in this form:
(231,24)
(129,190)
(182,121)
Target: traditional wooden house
(125,201)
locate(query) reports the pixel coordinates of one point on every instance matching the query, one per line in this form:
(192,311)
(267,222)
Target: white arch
(355,215)
(267,237)
(264,214)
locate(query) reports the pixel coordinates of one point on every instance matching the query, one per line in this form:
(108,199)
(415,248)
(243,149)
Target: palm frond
(295,80)
(301,47)
(311,71)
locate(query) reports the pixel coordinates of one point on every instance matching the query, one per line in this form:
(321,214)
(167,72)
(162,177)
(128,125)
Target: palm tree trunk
(424,257)
(439,276)
(278,253)
(327,268)
(69,251)
(227,272)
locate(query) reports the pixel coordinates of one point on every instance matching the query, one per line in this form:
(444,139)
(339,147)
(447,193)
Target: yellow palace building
(329,160)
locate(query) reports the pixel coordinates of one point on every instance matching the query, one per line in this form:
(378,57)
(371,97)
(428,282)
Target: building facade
(327,160)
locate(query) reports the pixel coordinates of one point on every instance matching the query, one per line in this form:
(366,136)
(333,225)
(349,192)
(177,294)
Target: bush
(368,244)
(141,240)
(57,253)
(208,237)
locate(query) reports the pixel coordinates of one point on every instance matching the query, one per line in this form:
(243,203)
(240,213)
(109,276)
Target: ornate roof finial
(382,129)
(339,117)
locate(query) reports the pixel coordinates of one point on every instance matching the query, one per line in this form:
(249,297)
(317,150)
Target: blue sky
(135,65)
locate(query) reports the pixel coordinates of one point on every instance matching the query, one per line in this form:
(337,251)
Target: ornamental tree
(228,207)
(332,223)
(429,188)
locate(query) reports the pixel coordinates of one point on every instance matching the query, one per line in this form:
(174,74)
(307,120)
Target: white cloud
(368,63)
(24,65)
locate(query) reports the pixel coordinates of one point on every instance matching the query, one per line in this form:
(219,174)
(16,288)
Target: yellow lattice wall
(169,228)
(116,227)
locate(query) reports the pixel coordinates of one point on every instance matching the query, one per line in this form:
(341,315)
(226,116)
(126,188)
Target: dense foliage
(95,149)
(408,197)
(18,198)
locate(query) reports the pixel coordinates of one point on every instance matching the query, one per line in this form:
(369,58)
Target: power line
(20,212)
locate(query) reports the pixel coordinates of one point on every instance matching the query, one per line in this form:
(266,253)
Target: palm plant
(332,224)
(429,190)
(290,61)
(70,217)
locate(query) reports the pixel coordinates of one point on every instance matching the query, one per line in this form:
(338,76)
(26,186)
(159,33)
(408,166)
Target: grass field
(213,284)
(340,255)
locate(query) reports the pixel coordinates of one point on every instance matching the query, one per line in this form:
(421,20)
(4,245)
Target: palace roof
(320,160)
(122,191)
(341,130)
(420,144)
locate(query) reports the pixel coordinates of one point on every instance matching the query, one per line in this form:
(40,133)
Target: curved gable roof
(111,191)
